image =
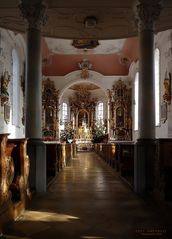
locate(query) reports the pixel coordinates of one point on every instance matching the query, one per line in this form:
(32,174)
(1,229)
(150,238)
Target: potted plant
(67,134)
(99,132)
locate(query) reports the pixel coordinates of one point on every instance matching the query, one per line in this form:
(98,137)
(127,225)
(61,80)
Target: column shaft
(146,86)
(34,12)
(145,150)
(33,85)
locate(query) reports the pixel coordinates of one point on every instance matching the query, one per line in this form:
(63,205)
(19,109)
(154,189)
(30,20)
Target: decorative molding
(124,60)
(85,66)
(90,22)
(147,14)
(35,14)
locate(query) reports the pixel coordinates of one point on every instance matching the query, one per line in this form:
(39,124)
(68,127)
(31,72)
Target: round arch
(74,78)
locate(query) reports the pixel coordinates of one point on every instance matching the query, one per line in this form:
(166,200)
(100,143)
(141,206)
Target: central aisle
(88,200)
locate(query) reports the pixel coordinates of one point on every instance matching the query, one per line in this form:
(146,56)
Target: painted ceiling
(110,57)
(86,86)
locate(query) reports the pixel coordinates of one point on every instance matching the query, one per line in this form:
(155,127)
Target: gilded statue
(85,65)
(167,89)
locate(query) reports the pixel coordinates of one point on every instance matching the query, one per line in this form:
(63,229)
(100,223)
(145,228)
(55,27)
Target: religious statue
(5,79)
(167,89)
(85,65)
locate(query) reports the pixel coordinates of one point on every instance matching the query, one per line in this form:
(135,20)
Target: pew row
(120,156)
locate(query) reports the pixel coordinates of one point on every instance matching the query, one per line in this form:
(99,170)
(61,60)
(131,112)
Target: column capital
(34,13)
(147,12)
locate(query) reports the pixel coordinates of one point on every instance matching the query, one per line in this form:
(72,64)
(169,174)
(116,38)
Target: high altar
(83,114)
(83,137)
(84,134)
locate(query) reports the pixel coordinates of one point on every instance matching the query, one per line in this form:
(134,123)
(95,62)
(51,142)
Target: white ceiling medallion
(90,22)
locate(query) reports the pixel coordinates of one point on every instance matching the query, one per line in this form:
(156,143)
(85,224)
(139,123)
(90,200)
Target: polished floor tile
(89,201)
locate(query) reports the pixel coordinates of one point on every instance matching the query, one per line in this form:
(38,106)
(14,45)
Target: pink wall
(61,65)
(45,50)
(131,48)
(106,64)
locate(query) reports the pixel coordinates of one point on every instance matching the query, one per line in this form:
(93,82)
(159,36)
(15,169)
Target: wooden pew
(119,155)
(58,156)
(14,172)
(126,161)
(19,187)
(163,168)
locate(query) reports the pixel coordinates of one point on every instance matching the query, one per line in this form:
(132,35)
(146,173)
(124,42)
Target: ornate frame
(163,112)
(7,113)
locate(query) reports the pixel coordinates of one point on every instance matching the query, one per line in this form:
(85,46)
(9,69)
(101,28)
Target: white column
(147,11)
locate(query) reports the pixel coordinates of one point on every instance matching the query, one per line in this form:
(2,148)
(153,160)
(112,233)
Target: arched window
(64,113)
(157,86)
(15,91)
(100,112)
(136,101)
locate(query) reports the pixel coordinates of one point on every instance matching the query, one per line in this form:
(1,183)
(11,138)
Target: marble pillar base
(37,153)
(144,165)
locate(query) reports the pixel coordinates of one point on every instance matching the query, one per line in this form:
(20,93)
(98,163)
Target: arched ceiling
(66,21)
(115,19)
(95,91)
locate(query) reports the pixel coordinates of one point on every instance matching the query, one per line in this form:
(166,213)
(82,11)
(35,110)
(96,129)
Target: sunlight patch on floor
(13,237)
(46,217)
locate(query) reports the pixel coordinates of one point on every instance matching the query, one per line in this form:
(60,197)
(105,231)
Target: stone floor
(88,201)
